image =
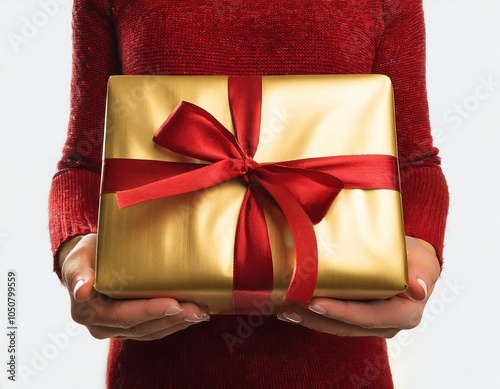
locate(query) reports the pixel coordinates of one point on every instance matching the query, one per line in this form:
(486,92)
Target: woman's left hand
(383,318)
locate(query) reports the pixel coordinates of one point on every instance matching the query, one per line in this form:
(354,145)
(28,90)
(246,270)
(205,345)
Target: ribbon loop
(193,132)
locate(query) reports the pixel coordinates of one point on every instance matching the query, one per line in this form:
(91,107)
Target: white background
(457,344)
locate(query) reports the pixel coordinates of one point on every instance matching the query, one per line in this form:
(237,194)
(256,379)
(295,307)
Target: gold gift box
(183,246)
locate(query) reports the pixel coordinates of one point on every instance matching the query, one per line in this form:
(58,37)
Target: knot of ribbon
(302,189)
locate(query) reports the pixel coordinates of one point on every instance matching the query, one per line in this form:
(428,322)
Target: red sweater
(247,37)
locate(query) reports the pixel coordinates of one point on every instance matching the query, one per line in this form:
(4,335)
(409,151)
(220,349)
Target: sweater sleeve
(401,56)
(74,193)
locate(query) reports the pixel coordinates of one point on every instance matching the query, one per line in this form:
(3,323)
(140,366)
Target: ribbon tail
(253,262)
(123,173)
(305,274)
(204,177)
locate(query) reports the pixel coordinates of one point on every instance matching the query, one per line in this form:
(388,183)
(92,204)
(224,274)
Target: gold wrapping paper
(182,246)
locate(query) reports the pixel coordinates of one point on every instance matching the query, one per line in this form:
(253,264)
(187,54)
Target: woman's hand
(383,318)
(144,319)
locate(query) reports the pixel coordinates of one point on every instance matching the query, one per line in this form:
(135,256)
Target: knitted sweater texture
(259,37)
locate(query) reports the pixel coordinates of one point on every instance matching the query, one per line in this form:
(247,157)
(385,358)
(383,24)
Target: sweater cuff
(425,205)
(73,208)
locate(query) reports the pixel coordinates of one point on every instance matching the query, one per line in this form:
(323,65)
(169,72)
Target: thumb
(417,288)
(423,269)
(78,268)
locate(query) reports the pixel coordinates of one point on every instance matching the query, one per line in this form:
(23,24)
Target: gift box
(242,194)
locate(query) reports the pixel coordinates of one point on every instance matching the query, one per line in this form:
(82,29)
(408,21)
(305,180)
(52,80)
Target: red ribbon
(303,189)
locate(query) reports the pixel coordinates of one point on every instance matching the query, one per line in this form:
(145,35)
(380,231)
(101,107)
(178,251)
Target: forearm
(74,194)
(401,55)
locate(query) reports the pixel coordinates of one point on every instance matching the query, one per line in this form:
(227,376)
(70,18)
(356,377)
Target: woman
(333,344)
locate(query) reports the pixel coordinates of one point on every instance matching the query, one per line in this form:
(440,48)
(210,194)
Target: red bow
(303,189)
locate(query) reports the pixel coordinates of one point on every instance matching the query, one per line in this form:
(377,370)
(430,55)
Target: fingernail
(317,309)
(423,285)
(192,318)
(173,310)
(78,285)
(290,316)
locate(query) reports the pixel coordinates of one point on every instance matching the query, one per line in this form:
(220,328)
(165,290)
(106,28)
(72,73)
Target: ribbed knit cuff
(73,208)
(425,205)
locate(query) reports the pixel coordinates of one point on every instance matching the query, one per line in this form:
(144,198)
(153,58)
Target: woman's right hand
(142,319)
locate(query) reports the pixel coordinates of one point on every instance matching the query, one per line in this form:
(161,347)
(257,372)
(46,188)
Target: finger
(78,269)
(128,313)
(189,315)
(396,312)
(160,334)
(303,317)
(423,269)
(160,328)
(153,329)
